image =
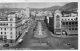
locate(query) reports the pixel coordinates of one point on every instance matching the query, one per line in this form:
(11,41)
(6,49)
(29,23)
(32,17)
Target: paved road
(52,42)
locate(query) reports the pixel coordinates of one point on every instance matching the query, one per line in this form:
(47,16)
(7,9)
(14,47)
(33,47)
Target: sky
(31,5)
(44,5)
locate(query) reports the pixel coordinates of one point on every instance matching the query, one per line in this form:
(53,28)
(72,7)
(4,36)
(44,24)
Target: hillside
(70,6)
(44,9)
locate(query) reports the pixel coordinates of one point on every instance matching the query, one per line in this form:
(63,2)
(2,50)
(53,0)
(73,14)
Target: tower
(57,22)
(27,12)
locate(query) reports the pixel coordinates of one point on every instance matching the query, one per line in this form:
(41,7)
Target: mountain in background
(10,9)
(69,6)
(44,9)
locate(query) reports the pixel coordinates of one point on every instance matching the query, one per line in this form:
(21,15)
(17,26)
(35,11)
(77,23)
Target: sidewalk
(61,36)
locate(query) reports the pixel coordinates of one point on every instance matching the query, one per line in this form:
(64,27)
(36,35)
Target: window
(11,41)
(4,32)
(76,23)
(16,36)
(11,37)
(68,19)
(1,33)
(75,28)
(1,28)
(62,19)
(57,16)
(72,23)
(11,29)
(11,24)
(76,18)
(69,23)
(11,19)
(72,28)
(69,28)
(5,37)
(4,24)
(7,24)
(11,33)
(71,19)
(66,23)
(63,23)
(4,28)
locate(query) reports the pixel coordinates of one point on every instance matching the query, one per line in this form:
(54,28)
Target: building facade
(57,21)
(10,28)
(65,21)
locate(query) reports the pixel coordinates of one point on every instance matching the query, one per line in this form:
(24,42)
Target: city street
(52,42)
(39,26)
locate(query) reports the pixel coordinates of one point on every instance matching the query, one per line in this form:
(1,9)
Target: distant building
(27,12)
(65,21)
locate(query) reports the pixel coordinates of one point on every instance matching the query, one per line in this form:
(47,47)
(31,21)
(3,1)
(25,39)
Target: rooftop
(3,19)
(68,12)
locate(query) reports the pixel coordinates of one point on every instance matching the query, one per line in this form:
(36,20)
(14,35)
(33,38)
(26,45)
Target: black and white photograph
(39,26)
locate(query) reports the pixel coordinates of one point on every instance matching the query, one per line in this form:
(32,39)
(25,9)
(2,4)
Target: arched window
(57,16)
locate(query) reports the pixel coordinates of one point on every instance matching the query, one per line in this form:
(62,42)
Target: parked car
(6,45)
(20,41)
(64,32)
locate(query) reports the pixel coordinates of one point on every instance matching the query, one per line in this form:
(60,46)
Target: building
(70,23)
(57,22)
(10,27)
(11,24)
(65,21)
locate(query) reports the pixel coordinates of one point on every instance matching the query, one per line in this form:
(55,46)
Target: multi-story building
(10,27)
(70,23)
(65,21)
(11,24)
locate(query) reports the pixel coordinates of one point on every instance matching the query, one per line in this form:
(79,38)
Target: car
(20,41)
(6,45)
(64,32)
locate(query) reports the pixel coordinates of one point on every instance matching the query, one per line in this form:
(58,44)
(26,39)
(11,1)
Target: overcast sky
(31,5)
(43,5)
